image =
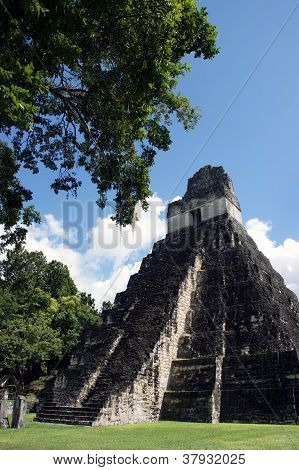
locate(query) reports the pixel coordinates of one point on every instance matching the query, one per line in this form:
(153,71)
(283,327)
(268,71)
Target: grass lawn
(163,435)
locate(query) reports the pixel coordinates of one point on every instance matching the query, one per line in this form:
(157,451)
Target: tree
(71,318)
(27,339)
(89,301)
(13,197)
(92,85)
(106,305)
(58,280)
(22,269)
(42,314)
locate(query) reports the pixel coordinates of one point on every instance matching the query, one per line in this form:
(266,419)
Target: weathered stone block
(19,412)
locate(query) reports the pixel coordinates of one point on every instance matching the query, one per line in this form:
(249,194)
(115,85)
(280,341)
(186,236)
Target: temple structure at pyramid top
(210,193)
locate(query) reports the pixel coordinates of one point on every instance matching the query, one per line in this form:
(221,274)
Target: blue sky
(257,142)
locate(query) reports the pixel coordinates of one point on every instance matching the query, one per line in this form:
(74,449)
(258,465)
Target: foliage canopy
(93,85)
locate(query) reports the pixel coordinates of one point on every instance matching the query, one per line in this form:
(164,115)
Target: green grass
(162,435)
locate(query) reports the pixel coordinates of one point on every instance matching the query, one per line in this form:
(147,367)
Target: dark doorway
(197,217)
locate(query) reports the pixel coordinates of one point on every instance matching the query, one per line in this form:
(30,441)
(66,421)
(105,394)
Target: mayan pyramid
(206,331)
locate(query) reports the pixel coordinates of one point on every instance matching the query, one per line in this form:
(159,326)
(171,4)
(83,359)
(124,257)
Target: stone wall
(262,388)
(208,211)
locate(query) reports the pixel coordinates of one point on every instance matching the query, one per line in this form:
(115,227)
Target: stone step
(56,403)
(90,414)
(65,416)
(85,408)
(64,421)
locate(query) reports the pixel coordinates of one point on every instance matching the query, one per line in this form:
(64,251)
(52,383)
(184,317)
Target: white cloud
(111,243)
(104,267)
(284,257)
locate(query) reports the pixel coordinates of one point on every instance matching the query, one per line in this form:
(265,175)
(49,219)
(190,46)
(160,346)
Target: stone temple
(206,331)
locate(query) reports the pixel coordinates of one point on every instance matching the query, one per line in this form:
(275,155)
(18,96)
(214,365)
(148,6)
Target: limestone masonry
(206,331)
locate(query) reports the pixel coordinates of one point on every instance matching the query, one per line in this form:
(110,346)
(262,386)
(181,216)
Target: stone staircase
(51,412)
(189,393)
(188,397)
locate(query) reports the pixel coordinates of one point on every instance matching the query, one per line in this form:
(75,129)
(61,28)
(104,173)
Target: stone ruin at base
(206,331)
